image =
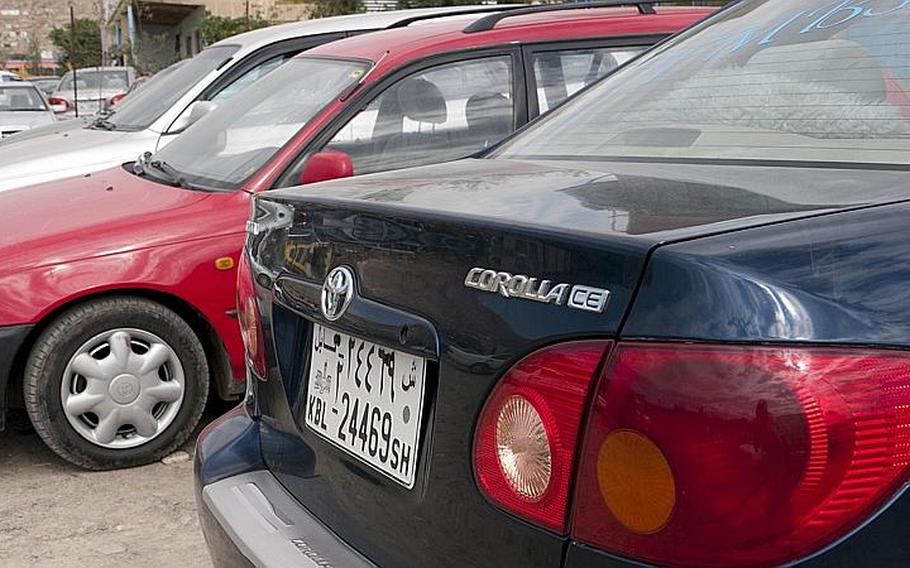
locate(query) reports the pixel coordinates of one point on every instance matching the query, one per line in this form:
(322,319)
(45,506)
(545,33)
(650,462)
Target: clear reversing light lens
(527,433)
(523,448)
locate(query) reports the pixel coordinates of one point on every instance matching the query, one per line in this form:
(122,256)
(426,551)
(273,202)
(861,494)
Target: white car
(90,90)
(22,107)
(169,102)
(8,76)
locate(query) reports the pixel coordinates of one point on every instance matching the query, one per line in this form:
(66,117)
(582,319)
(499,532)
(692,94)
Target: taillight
(526,438)
(115,99)
(59,102)
(250,321)
(740,456)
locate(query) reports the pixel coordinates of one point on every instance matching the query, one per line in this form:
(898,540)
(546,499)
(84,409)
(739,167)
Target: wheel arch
(215,350)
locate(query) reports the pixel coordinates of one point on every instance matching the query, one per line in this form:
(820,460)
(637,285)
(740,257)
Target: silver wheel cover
(122,388)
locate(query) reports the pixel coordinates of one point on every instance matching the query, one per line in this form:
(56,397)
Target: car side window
(435,115)
(561,74)
(251,76)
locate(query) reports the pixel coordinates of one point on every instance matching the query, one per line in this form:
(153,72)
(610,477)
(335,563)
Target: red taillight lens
(250,322)
(525,443)
(740,456)
(58,101)
(115,99)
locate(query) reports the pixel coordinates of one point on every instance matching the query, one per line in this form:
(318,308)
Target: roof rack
(487,23)
(405,22)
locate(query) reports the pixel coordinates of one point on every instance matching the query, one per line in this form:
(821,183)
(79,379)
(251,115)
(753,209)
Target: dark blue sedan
(668,324)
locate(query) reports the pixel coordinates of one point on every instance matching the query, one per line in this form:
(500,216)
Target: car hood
(104,213)
(27,119)
(64,150)
(652,201)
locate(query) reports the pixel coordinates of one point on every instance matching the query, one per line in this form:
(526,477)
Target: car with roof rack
(179,96)
(665,325)
(131,313)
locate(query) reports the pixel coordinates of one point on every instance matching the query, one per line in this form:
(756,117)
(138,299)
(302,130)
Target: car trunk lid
(471,275)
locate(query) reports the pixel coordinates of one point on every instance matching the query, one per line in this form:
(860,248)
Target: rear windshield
(767,80)
(115,79)
(145,105)
(21,99)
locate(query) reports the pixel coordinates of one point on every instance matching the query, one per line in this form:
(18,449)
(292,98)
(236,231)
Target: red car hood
(104,213)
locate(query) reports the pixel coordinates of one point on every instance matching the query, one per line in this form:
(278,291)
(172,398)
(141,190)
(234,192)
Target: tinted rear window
(815,80)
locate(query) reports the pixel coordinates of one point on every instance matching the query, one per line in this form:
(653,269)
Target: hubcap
(122,388)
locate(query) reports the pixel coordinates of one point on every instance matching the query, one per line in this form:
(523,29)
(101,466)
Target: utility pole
(73,58)
(248,15)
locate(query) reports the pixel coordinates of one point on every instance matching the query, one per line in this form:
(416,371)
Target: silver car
(170,101)
(8,76)
(47,83)
(89,91)
(22,107)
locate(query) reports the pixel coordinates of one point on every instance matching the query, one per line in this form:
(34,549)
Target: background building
(152,34)
(25,26)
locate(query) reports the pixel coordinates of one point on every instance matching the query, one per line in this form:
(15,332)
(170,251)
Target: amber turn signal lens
(635,481)
(224,263)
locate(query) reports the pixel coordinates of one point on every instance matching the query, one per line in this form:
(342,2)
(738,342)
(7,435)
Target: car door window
(561,74)
(439,114)
(251,76)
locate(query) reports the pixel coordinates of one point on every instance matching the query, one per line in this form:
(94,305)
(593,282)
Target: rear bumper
(251,519)
(11,340)
(247,517)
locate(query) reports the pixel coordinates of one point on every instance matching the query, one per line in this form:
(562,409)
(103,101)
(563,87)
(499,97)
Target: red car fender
(185,271)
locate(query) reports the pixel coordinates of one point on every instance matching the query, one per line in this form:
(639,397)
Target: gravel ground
(55,515)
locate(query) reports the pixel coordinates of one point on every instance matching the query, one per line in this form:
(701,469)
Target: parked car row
(661,324)
(49,98)
(162,235)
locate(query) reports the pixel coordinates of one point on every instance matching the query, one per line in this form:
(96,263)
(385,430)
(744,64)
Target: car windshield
(114,79)
(226,147)
(158,94)
(21,99)
(775,80)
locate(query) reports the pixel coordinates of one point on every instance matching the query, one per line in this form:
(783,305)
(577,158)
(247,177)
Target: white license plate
(367,400)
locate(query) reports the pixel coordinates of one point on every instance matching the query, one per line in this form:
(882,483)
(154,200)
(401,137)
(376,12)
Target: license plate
(367,400)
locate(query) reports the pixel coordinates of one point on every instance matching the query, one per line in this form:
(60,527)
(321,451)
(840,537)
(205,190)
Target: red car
(117,316)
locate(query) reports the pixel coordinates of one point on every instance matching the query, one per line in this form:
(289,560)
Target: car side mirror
(326,165)
(192,114)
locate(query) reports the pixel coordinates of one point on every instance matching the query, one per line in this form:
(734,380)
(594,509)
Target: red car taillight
(250,321)
(740,456)
(526,438)
(58,101)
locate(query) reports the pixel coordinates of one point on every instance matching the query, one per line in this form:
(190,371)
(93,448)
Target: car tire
(96,393)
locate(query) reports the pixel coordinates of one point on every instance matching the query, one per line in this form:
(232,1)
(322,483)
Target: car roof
(353,22)
(19,85)
(447,34)
(113,68)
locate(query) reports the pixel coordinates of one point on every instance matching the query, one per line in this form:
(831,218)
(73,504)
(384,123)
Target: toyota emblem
(337,292)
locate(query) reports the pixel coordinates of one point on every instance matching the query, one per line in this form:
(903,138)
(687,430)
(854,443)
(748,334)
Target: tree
(34,54)
(216,28)
(326,8)
(87,51)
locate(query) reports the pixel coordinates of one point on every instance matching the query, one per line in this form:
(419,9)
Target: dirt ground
(55,515)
